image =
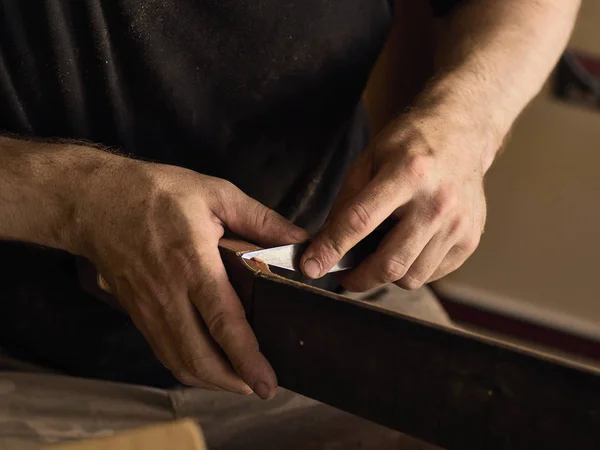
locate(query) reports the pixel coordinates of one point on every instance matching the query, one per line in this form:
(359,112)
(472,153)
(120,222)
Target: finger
(429,260)
(251,219)
(163,345)
(157,333)
(454,259)
(396,253)
(225,319)
(357,177)
(375,203)
(209,365)
(197,353)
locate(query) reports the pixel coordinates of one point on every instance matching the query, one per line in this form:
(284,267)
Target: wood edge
(480,335)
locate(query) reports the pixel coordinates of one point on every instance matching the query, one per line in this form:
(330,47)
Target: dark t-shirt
(263,93)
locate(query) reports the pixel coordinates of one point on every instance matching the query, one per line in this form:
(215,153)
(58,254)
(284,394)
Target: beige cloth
(46,408)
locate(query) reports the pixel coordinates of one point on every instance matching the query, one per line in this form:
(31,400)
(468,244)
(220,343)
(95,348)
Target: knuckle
(418,167)
(197,367)
(159,305)
(225,186)
(338,238)
(331,248)
(161,296)
(393,269)
(361,282)
(184,377)
(221,193)
(181,258)
(444,200)
(263,216)
(470,244)
(410,283)
(359,219)
(218,326)
(459,225)
(353,286)
(223,327)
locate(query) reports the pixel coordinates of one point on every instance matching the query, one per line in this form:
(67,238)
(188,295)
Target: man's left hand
(426,172)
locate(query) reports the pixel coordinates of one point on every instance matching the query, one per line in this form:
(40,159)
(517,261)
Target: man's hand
(428,174)
(152,231)
(427,168)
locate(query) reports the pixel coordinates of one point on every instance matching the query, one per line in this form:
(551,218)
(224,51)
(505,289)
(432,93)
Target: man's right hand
(152,231)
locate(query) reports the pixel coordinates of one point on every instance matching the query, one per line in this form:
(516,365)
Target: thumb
(252,220)
(357,177)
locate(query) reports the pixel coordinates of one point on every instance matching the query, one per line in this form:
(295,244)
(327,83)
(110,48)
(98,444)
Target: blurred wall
(542,240)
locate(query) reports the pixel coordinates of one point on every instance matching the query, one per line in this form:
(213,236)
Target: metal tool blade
(288,257)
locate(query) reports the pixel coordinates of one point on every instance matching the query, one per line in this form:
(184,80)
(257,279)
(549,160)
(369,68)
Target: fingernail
(312,268)
(262,390)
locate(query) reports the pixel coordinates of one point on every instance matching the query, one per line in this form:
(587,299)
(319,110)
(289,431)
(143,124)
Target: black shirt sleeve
(443,7)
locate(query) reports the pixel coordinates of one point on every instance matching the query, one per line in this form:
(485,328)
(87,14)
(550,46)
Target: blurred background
(542,241)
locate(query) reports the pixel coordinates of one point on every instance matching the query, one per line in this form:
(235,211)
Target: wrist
(42,186)
(94,187)
(461,124)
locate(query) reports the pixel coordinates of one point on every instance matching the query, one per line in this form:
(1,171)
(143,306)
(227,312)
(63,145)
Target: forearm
(40,188)
(493,57)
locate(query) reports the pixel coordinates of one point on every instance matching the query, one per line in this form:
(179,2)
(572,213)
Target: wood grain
(449,387)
